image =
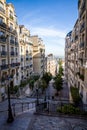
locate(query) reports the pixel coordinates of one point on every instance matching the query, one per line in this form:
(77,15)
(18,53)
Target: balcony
(2,10)
(17,64)
(13,65)
(12,53)
(2,39)
(27,59)
(3,67)
(30,58)
(11,17)
(31,65)
(81,45)
(16,43)
(2,24)
(3,53)
(76,37)
(12,42)
(16,53)
(82,27)
(22,68)
(21,59)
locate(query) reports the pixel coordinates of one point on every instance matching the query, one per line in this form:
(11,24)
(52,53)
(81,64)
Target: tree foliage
(47,77)
(58,83)
(43,85)
(75,95)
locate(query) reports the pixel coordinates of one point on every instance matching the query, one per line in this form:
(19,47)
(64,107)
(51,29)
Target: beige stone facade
(38,55)
(9,46)
(26,53)
(76,52)
(21,55)
(51,64)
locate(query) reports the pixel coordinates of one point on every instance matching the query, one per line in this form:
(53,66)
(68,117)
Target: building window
(1,19)
(12,49)
(3,48)
(11,14)
(2,33)
(11,26)
(12,37)
(3,62)
(12,61)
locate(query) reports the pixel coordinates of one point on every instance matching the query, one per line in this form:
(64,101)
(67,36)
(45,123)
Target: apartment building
(26,53)
(9,47)
(76,52)
(38,55)
(51,64)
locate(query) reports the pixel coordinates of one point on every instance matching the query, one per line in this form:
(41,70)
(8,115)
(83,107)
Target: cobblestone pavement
(21,122)
(58,123)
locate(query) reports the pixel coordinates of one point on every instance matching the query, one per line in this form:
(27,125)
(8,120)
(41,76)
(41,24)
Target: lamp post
(37,96)
(10,116)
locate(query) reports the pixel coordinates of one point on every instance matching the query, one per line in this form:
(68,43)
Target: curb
(61,115)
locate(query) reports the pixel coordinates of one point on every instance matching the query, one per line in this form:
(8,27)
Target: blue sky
(49,19)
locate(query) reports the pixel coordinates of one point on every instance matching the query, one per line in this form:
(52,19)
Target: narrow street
(64,93)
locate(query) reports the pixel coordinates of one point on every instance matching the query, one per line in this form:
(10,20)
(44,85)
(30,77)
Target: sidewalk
(58,123)
(21,122)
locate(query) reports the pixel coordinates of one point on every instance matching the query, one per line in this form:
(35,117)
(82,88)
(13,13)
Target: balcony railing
(82,27)
(81,45)
(22,68)
(12,41)
(11,17)
(31,65)
(17,64)
(16,53)
(2,24)
(21,59)
(4,67)
(16,43)
(27,59)
(13,65)
(2,10)
(12,53)
(2,39)
(3,53)
(30,58)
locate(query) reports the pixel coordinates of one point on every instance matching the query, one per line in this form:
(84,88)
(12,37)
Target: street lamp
(10,116)
(37,96)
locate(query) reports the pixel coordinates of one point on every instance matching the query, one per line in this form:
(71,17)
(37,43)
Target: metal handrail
(20,107)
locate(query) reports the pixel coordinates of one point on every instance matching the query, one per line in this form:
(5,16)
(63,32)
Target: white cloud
(48,32)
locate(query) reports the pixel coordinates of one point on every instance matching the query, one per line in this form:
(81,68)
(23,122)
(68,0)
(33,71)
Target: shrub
(68,109)
(75,95)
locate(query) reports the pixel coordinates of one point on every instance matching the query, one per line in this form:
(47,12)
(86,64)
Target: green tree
(43,85)
(47,77)
(75,95)
(31,84)
(60,70)
(58,83)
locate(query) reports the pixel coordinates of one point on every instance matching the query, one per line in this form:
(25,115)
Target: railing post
(14,110)
(22,107)
(48,106)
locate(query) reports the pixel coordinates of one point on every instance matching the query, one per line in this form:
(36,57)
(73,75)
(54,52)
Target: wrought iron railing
(21,107)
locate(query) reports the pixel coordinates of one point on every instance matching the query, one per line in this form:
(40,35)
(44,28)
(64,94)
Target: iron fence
(21,107)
